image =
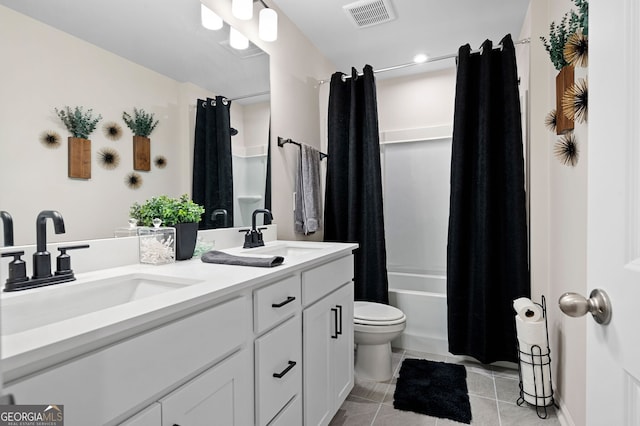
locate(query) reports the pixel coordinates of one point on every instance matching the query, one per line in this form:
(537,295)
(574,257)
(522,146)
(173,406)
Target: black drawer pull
(335,321)
(339,331)
(285,371)
(281,304)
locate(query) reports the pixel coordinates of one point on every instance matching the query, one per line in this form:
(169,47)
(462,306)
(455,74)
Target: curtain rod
(433,59)
(267,92)
(282,142)
(225,99)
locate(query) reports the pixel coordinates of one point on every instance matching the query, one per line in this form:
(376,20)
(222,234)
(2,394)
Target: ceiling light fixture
(237,40)
(268,24)
(210,20)
(242,9)
(420,58)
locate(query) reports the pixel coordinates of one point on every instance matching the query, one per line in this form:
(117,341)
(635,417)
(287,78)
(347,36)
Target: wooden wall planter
(79,158)
(564,80)
(141,153)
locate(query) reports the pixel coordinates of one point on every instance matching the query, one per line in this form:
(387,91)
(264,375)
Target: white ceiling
(163,35)
(433,27)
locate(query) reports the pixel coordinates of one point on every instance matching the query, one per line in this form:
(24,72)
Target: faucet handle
(17,267)
(15,254)
(80,246)
(63,261)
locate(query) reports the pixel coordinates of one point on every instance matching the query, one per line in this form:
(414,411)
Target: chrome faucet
(7,225)
(253,237)
(42,258)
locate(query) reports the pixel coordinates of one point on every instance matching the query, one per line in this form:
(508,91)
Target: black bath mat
(433,388)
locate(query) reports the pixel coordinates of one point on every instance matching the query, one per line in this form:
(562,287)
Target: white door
(613,248)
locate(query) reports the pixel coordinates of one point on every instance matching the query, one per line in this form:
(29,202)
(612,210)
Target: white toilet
(375,325)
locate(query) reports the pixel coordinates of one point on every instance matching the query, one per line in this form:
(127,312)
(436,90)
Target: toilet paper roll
(533,333)
(537,375)
(539,401)
(527,310)
(540,391)
(535,359)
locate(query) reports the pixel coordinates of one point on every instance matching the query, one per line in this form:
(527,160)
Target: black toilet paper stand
(540,358)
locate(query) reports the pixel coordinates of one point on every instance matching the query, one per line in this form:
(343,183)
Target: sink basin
(286,250)
(32,309)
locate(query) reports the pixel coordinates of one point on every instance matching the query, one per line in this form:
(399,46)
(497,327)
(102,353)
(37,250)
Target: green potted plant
(558,36)
(181,213)
(141,124)
(80,124)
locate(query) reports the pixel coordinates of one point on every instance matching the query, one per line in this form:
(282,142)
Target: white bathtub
(423,299)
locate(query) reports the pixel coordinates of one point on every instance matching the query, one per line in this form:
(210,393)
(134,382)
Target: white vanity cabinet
(276,351)
(218,396)
(150,416)
(102,386)
(221,395)
(327,339)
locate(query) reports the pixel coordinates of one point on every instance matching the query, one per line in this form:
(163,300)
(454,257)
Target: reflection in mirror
(111,57)
(249,151)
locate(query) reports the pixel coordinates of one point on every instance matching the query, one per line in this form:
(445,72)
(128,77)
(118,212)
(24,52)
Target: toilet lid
(374,312)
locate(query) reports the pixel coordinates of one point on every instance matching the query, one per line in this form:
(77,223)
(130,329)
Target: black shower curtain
(353,204)
(487,260)
(212,164)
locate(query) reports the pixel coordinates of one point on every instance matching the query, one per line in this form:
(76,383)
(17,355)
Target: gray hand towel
(308,210)
(215,256)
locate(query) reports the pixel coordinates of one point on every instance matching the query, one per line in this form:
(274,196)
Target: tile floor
(493,392)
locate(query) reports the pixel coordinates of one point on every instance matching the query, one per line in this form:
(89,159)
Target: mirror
(111,57)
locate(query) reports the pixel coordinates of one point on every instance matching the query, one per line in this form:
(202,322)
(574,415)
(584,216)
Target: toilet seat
(376,314)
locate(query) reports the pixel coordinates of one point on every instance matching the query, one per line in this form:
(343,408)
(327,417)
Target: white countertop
(31,350)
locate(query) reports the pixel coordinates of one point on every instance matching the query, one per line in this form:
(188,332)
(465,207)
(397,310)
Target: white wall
(558,221)
(421,100)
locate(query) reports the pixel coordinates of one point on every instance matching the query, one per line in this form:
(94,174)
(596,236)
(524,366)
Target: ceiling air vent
(366,13)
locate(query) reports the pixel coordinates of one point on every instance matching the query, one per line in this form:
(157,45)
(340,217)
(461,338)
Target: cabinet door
(222,395)
(318,326)
(342,357)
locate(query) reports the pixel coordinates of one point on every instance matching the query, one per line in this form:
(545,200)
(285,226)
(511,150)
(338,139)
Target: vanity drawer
(320,281)
(278,368)
(276,302)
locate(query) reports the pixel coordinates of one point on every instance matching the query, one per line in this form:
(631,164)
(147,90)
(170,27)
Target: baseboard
(563,415)
(421,344)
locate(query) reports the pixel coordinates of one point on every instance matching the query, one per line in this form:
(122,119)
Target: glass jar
(127,231)
(157,244)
